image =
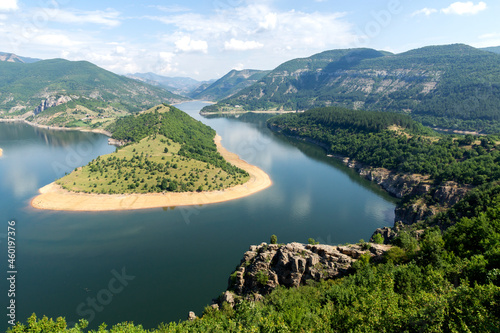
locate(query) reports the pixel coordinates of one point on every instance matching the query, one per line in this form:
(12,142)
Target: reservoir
(156,265)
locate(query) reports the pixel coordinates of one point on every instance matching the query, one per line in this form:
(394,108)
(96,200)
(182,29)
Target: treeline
(429,282)
(415,149)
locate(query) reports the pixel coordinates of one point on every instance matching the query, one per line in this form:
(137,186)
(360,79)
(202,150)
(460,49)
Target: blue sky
(206,39)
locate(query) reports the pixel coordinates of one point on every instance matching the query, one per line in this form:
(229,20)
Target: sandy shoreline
(54,197)
(1,152)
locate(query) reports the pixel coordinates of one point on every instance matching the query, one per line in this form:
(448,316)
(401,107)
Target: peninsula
(159,167)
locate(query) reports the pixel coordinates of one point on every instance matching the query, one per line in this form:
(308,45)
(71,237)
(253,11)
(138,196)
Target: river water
(156,265)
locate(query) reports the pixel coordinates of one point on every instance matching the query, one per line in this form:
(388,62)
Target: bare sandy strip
(1,152)
(54,197)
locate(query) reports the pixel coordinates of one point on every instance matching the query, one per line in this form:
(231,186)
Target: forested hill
(166,150)
(27,88)
(452,86)
(397,143)
(229,84)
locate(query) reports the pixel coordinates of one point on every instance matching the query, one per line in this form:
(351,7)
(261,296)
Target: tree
(312,241)
(274,239)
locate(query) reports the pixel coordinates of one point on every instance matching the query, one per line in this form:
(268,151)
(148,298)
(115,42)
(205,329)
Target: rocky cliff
(50,102)
(265,267)
(428,198)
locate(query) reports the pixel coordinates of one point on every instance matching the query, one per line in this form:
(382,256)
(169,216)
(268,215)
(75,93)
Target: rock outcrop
(51,102)
(267,266)
(404,185)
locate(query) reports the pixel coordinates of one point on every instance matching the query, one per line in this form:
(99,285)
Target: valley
(342,114)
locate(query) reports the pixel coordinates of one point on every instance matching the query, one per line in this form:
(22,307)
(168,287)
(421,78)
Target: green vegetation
(274,239)
(451,86)
(395,142)
(444,282)
(441,276)
(312,241)
(92,90)
(167,151)
(378,239)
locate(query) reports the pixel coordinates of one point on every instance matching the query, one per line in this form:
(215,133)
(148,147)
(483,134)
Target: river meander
(154,266)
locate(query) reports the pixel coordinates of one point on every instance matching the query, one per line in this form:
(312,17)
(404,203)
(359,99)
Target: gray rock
(191,316)
(265,267)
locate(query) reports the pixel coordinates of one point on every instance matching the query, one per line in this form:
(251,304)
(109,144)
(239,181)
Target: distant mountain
(178,85)
(73,93)
(494,49)
(229,84)
(451,86)
(11,57)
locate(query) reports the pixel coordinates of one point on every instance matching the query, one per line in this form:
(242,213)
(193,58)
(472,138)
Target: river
(156,265)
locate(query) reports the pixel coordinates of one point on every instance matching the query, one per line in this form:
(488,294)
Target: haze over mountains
(177,85)
(212,90)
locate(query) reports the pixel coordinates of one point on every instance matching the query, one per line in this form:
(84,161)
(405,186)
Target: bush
(262,277)
(312,241)
(274,239)
(378,239)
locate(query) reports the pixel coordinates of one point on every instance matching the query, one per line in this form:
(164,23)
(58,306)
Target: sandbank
(54,197)
(1,152)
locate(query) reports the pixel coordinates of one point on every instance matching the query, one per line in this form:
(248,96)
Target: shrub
(262,277)
(274,239)
(312,241)
(378,239)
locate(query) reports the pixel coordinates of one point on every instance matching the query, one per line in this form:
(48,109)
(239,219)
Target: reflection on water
(181,257)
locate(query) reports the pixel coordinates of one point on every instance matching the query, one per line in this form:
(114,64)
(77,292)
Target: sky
(206,39)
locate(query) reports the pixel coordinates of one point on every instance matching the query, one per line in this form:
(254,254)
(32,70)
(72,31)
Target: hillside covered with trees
(66,93)
(396,142)
(451,86)
(166,150)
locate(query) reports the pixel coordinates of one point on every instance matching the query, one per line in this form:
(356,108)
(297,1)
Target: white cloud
(262,25)
(487,40)
(109,18)
(239,67)
(172,9)
(464,8)
(186,44)
(54,39)
(239,45)
(490,35)
(425,11)
(270,21)
(6,5)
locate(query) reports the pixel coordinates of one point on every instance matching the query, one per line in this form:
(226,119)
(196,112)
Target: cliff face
(440,197)
(50,102)
(267,266)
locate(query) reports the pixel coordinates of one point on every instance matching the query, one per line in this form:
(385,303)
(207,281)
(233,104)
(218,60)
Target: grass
(143,167)
(80,116)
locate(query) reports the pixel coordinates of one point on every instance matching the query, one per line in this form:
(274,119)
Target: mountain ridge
(60,92)
(230,84)
(11,57)
(450,86)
